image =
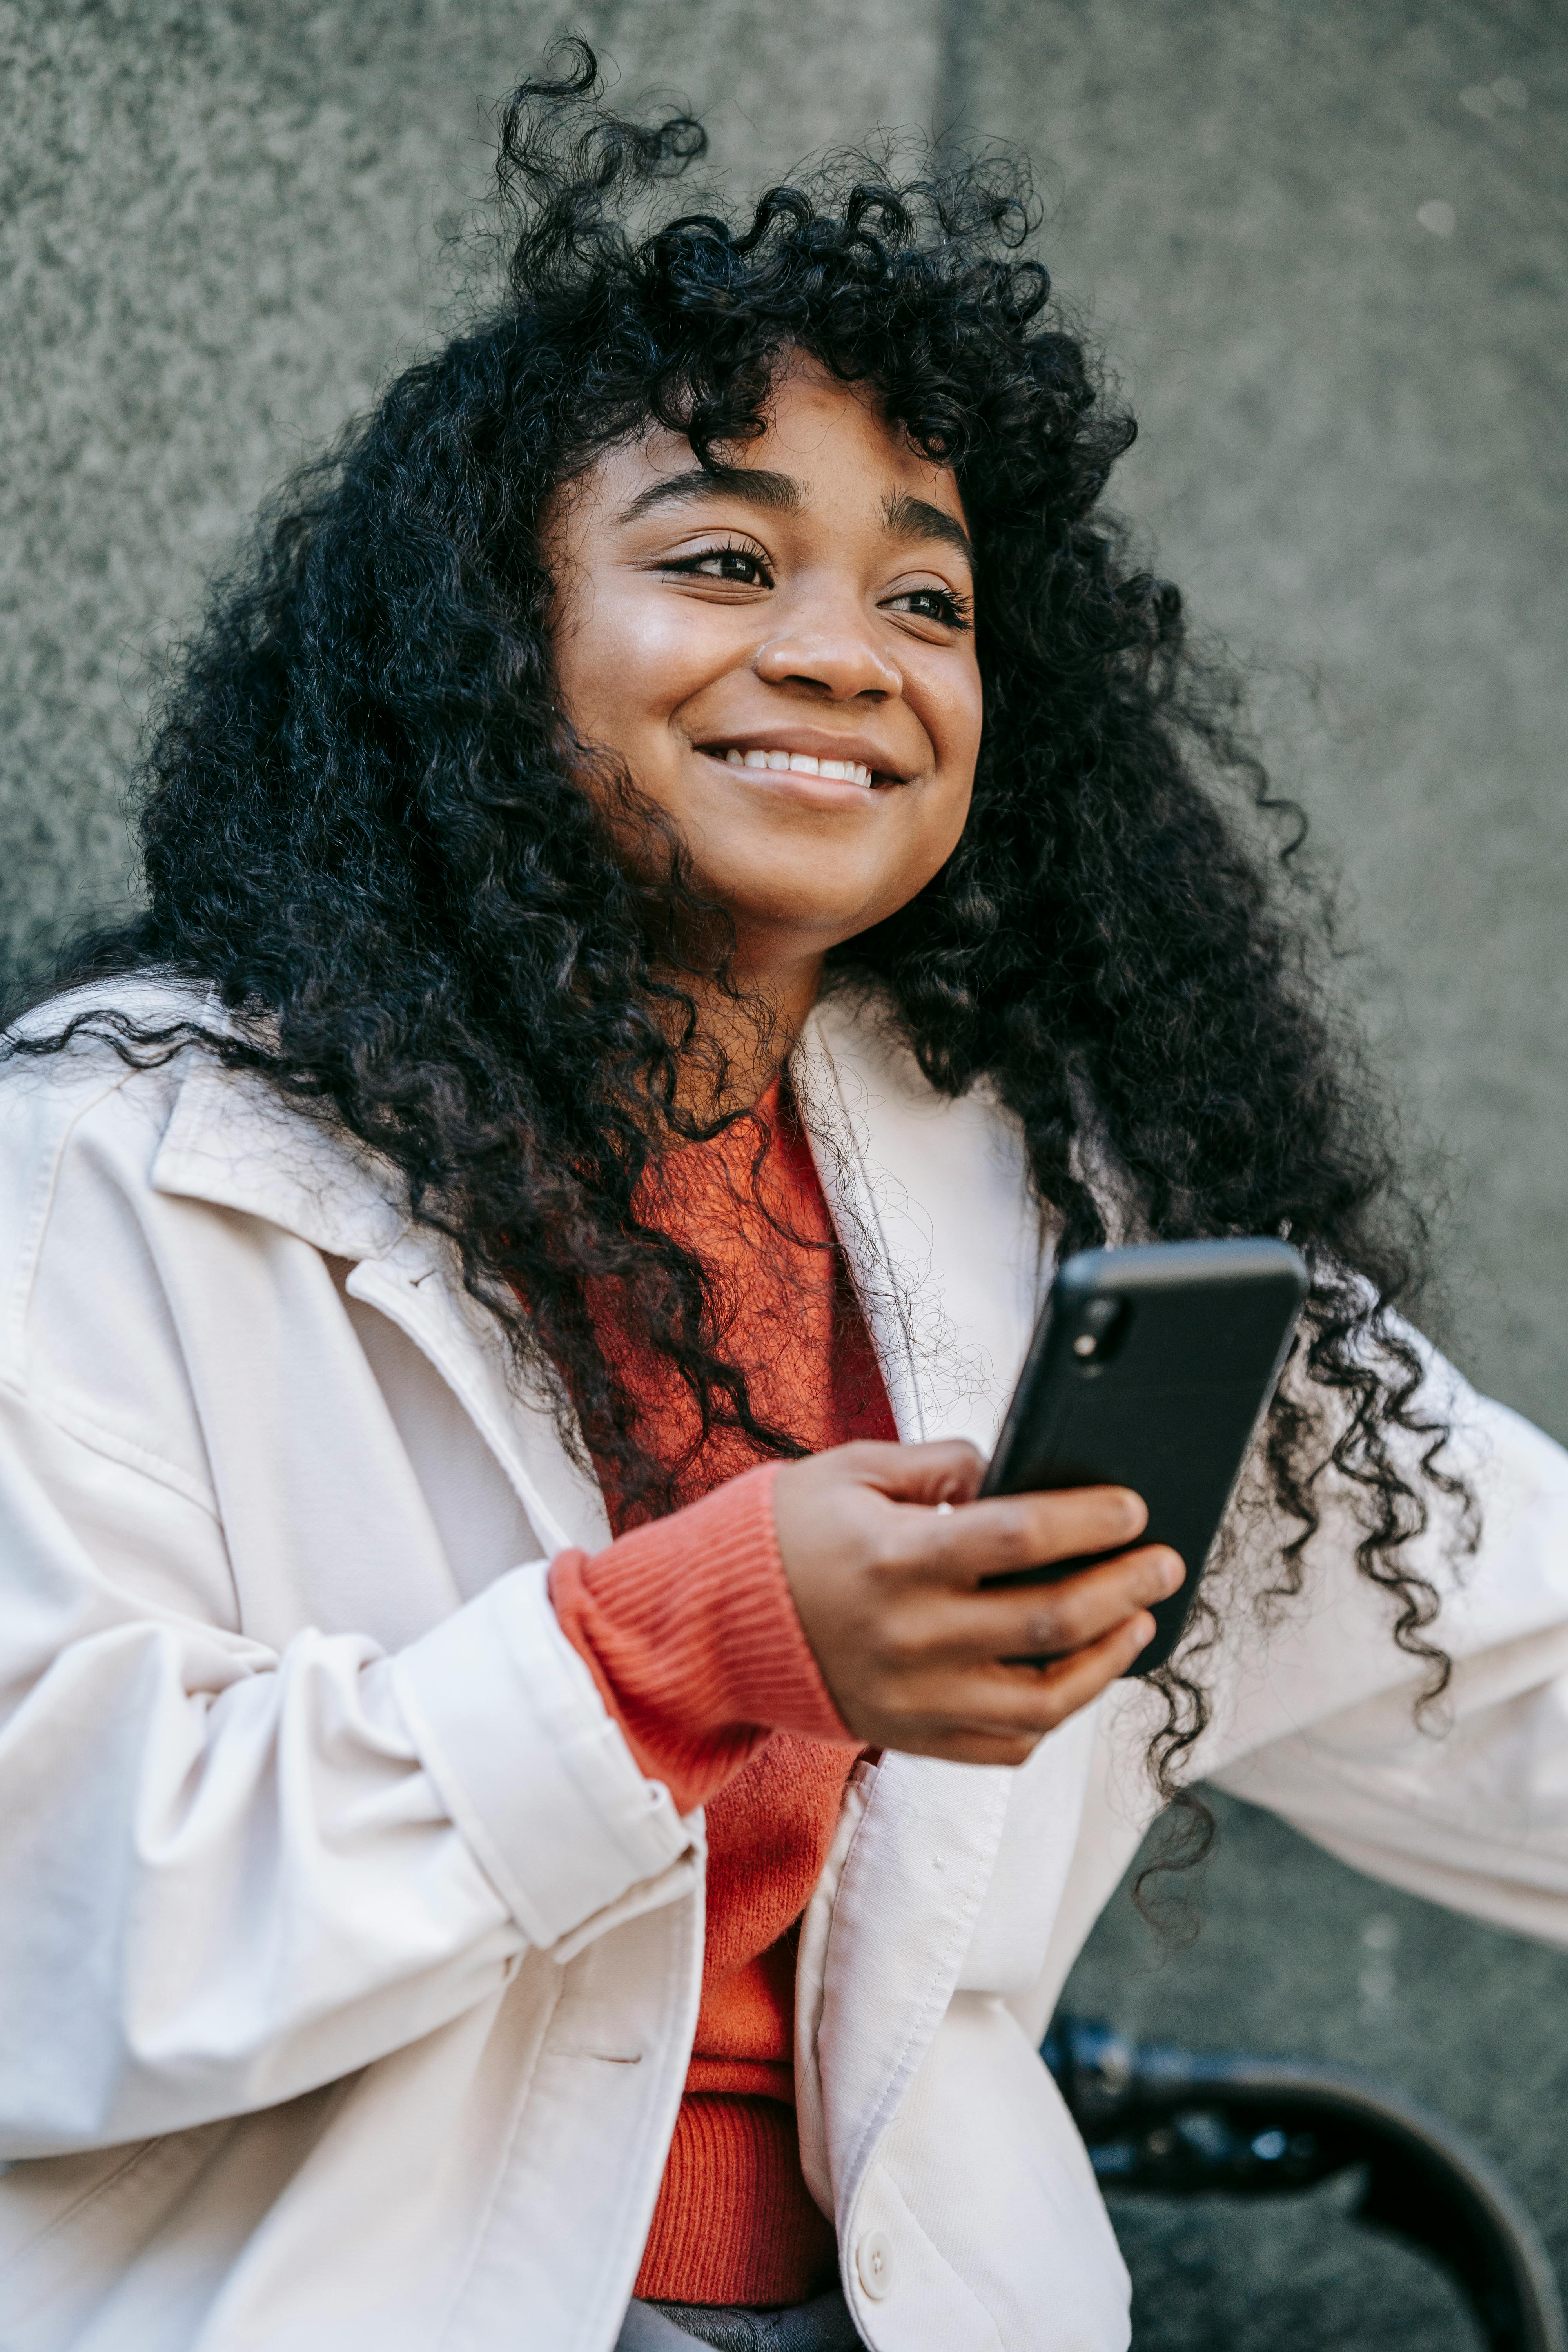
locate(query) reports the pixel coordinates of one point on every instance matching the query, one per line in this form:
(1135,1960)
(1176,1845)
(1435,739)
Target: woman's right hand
(916,1655)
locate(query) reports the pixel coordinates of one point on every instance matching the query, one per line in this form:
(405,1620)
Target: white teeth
(801,763)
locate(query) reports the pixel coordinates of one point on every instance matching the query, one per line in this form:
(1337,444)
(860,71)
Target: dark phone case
(1169,1406)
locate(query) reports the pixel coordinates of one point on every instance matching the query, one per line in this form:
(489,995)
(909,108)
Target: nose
(832,651)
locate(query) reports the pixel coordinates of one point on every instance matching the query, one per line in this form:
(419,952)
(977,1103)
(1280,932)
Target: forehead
(832,441)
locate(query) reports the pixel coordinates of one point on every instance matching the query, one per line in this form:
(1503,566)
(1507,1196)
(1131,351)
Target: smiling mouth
(799,763)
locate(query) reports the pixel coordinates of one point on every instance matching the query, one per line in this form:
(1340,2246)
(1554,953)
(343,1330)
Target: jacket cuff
(513,1732)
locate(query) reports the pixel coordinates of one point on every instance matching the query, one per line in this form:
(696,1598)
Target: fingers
(920,1650)
(982,1676)
(1032,1700)
(1037,1621)
(1008,1532)
(999,1715)
(1014,1663)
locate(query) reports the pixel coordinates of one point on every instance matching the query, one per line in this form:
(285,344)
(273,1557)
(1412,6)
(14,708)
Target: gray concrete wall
(1326,246)
(223,224)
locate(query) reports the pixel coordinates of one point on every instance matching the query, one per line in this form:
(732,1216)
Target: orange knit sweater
(690,1629)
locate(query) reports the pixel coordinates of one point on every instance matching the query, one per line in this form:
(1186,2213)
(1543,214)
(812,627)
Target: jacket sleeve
(1464,1802)
(233,1872)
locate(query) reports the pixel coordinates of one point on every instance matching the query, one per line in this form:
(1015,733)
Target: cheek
(970,716)
(942,829)
(954,719)
(625,661)
(956,732)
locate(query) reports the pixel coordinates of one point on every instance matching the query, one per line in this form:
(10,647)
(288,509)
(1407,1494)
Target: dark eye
(731,563)
(938,605)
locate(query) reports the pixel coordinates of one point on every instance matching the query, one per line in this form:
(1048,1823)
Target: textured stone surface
(223,222)
(220,224)
(1353,457)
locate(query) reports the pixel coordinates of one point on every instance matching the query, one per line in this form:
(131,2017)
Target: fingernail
(1145,1629)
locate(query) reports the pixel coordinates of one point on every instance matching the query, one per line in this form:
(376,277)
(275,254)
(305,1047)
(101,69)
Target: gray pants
(824,2325)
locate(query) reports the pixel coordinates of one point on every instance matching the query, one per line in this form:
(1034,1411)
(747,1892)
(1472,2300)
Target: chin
(787,902)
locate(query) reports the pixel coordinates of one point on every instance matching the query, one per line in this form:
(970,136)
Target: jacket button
(874,2261)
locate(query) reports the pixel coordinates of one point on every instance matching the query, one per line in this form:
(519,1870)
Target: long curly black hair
(363,821)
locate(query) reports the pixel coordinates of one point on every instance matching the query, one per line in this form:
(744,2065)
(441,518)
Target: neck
(747,1036)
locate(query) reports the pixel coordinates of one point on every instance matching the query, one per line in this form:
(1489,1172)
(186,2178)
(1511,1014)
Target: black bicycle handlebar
(1183,2121)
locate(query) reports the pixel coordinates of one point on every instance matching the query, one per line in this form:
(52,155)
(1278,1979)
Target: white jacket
(349,1967)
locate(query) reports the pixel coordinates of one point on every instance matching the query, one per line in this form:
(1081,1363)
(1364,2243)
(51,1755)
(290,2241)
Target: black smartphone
(1151,1368)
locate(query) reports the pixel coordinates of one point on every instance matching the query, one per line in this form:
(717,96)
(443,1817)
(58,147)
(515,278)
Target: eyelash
(954,613)
(691,565)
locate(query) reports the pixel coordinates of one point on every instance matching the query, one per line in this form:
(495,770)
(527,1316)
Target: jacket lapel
(414,1284)
(932,1205)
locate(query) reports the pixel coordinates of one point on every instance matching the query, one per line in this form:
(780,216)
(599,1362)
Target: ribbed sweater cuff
(690,1629)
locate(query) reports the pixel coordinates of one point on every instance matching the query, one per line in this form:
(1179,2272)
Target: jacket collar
(234,1141)
(930,1198)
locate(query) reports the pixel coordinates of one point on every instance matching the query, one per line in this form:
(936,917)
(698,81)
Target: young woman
(689,872)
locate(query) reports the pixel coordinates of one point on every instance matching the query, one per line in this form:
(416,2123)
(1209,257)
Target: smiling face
(782,655)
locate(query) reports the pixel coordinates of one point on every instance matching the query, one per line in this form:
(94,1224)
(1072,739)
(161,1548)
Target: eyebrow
(753,485)
(911,518)
(903,516)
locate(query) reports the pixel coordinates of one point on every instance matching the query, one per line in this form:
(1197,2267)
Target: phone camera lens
(1099,1321)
